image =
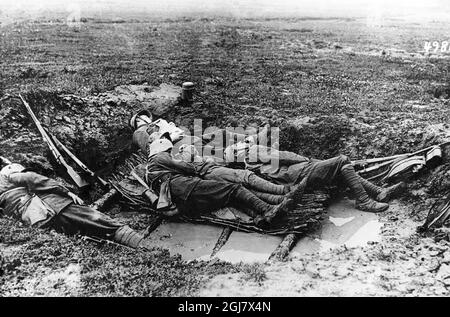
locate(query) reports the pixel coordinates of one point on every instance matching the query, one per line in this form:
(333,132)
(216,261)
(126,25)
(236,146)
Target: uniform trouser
(225,174)
(77,219)
(325,172)
(321,173)
(208,196)
(244,177)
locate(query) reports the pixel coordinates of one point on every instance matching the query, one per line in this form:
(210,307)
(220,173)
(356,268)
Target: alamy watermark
(242,145)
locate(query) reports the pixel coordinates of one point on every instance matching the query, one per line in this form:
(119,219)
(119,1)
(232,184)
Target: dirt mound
(360,136)
(94,128)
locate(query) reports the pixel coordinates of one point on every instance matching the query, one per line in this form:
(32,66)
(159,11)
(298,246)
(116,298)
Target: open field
(333,85)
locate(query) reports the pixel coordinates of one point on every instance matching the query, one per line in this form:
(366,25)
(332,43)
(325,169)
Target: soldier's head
(12,168)
(160,145)
(142,117)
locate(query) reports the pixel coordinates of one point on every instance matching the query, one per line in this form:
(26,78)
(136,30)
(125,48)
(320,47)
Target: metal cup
(187,91)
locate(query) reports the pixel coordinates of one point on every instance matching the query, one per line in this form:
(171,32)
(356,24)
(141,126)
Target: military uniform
(41,202)
(284,167)
(192,194)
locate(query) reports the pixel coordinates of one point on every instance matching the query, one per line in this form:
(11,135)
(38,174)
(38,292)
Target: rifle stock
(80,182)
(151,195)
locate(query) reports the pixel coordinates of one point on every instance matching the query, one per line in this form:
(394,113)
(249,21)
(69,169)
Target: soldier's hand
(77,200)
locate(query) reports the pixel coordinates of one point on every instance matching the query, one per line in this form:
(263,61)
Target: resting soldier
(293,168)
(207,168)
(143,126)
(41,202)
(178,179)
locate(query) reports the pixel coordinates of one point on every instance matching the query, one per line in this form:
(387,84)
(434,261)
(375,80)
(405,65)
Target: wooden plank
(226,232)
(283,249)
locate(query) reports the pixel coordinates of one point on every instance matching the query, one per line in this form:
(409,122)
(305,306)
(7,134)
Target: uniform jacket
(283,166)
(181,175)
(18,190)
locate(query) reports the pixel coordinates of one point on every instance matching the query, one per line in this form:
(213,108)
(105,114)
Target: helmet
(141,113)
(159,146)
(12,168)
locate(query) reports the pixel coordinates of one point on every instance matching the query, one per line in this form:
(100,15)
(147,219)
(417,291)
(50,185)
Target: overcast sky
(242,7)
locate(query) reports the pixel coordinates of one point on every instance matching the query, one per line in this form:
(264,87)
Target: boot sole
(373,211)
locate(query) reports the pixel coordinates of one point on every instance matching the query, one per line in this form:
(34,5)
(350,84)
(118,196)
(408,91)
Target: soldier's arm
(290,158)
(38,183)
(264,154)
(182,167)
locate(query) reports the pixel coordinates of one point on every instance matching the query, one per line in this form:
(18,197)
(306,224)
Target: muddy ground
(332,85)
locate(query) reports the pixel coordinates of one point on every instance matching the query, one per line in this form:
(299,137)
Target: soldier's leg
(324,172)
(77,219)
(380,193)
(363,202)
(269,198)
(260,184)
(338,170)
(210,195)
(244,197)
(246,178)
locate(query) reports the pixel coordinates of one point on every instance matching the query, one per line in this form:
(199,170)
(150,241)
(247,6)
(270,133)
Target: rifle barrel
(72,173)
(78,161)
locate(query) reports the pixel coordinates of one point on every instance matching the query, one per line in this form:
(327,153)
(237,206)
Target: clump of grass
(386,255)
(254,272)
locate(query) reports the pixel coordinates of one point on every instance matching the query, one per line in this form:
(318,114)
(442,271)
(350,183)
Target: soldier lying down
(291,170)
(178,179)
(41,202)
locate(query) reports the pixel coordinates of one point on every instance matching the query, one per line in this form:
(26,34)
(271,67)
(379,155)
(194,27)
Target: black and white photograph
(224,149)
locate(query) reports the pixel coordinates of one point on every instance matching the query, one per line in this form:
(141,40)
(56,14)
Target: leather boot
(371,206)
(382,194)
(391,192)
(127,236)
(363,202)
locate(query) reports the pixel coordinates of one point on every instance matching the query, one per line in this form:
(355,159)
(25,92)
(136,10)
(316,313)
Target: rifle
(365,162)
(86,169)
(81,183)
(101,241)
(151,195)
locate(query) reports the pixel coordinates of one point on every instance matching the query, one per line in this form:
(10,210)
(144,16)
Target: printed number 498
(436,46)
